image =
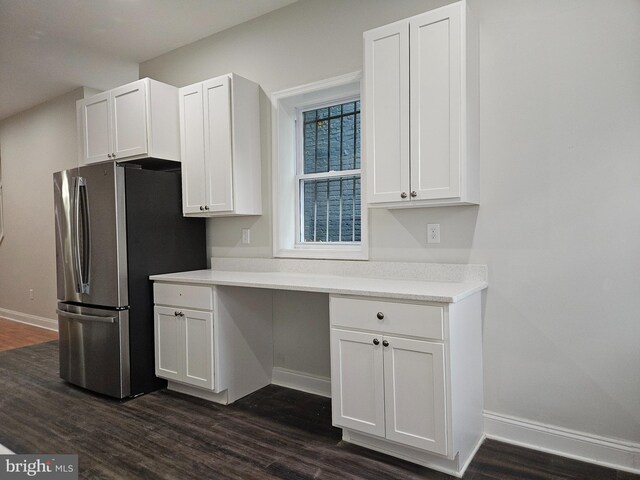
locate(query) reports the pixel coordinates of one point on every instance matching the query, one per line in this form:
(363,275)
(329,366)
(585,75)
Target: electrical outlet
(246,236)
(433,233)
(31,294)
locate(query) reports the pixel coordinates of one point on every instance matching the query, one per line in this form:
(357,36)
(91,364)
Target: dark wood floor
(15,334)
(275,433)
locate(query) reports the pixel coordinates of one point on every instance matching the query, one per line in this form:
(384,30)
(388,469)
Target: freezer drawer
(94,349)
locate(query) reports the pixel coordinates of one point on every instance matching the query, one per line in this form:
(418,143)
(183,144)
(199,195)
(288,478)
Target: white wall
(33,145)
(559,221)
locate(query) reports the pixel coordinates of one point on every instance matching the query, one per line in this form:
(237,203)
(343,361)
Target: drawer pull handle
(376,341)
(385,343)
(380,315)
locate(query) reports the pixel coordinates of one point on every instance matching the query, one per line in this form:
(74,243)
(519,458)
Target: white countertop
(428,291)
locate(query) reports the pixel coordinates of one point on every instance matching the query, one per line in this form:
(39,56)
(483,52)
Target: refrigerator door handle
(81,236)
(88,318)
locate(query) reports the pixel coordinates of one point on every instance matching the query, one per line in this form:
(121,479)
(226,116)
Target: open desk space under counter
(405,346)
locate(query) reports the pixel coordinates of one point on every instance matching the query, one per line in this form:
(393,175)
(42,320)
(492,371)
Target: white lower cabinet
(213,342)
(184,346)
(391,387)
(406,381)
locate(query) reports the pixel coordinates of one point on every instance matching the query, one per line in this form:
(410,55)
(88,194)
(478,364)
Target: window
(328,174)
(316,180)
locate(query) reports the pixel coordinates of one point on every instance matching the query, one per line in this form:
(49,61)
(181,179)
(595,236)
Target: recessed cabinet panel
(95,128)
(192,149)
(129,120)
(357,382)
(198,328)
(435,116)
(415,393)
(168,340)
(217,140)
(387,112)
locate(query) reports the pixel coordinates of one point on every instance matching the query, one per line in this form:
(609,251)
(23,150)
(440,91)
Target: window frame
(300,175)
(287,105)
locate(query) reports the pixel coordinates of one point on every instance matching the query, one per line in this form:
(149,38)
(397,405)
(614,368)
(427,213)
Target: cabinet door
(198,344)
(169,344)
(129,120)
(436,103)
(386,113)
(217,144)
(95,120)
(192,149)
(357,383)
(415,393)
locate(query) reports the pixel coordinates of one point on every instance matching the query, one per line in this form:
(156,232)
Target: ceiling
(49,47)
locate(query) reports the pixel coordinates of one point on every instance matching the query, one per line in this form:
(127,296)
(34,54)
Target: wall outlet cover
(433,233)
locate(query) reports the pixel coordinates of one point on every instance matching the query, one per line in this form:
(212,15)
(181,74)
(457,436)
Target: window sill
(352,253)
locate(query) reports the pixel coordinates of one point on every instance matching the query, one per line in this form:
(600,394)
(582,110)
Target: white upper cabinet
(421,110)
(133,121)
(220,141)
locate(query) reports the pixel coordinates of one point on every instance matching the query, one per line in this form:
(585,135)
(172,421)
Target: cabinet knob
(385,343)
(414,193)
(380,315)
(109,155)
(201,208)
(178,314)
(206,207)
(403,195)
(376,341)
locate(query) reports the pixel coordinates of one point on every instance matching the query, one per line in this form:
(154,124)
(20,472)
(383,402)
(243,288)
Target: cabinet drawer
(187,296)
(412,319)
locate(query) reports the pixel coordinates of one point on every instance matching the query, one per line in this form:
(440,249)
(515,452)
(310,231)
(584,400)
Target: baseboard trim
(586,447)
(222,398)
(34,320)
(302,381)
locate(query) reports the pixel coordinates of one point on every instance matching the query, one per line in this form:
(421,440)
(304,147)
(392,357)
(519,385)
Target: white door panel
(129,120)
(168,344)
(96,129)
(194,179)
(218,153)
(415,394)
(386,109)
(198,328)
(357,384)
(435,104)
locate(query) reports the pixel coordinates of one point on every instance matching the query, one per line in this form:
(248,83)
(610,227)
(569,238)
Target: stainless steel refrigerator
(115,225)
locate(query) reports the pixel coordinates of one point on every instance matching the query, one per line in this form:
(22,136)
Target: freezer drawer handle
(89,318)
